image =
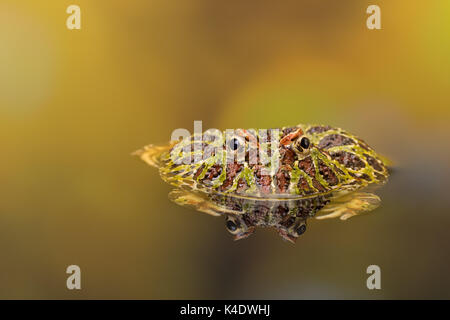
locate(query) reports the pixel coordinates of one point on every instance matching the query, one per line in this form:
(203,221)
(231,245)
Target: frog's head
(332,158)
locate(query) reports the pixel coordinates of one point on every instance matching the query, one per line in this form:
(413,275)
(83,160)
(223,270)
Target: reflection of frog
(312,169)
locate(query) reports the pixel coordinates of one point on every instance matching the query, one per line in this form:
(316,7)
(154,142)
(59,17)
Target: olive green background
(75,104)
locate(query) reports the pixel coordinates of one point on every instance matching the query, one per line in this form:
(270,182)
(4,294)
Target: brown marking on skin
(365,177)
(269,136)
(379,176)
(304,187)
(363,144)
(262,181)
(174,173)
(318,129)
(199,171)
(307,166)
(348,159)
(352,174)
(214,171)
(283,179)
(211,174)
(334,140)
(327,173)
(339,171)
(242,185)
(232,171)
(187,174)
(373,162)
(269,149)
(318,186)
(287,156)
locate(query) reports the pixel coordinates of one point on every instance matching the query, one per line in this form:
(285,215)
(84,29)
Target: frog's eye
(234,144)
(300,229)
(304,143)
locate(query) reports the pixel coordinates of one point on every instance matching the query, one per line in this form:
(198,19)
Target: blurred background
(75,103)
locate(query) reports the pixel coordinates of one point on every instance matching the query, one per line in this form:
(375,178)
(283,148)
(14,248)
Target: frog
(276,178)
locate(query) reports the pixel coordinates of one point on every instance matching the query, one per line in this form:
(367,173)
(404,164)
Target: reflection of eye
(234,144)
(300,229)
(304,143)
(232,226)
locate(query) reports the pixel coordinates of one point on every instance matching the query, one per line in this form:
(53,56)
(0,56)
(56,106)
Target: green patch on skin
(318,176)
(295,177)
(247,173)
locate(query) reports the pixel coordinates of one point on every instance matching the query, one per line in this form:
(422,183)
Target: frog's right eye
(304,143)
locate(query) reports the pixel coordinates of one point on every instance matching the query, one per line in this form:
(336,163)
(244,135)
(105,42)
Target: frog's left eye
(234,144)
(304,143)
